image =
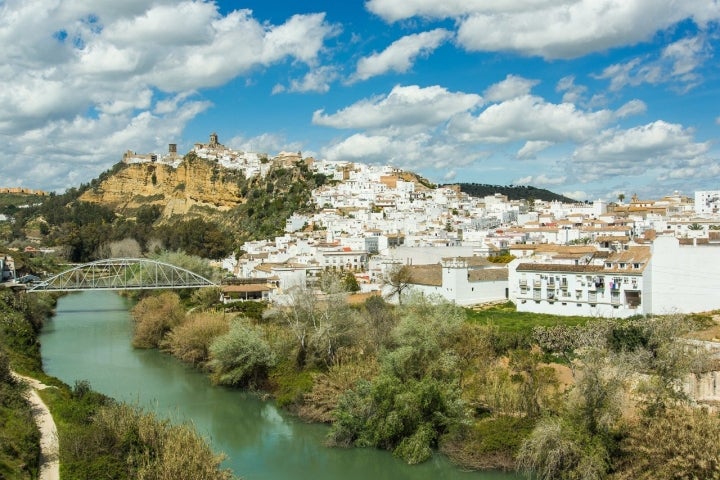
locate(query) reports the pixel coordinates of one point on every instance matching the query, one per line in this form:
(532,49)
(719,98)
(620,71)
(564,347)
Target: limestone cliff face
(194,183)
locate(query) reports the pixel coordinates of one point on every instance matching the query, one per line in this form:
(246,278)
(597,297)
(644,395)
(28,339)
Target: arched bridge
(122,274)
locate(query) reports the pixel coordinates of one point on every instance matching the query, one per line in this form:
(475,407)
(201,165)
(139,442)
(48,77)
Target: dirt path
(49,447)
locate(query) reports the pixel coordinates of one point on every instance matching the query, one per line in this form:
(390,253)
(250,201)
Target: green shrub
(290,383)
(489,443)
(241,357)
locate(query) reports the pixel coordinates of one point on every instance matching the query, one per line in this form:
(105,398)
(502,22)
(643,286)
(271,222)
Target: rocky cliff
(194,183)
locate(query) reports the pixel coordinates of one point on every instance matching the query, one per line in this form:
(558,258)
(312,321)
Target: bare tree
(398,279)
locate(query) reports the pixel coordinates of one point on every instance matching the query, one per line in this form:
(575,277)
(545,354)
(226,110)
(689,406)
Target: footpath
(49,446)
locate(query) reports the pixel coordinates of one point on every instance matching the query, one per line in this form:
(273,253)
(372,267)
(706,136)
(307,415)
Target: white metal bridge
(122,274)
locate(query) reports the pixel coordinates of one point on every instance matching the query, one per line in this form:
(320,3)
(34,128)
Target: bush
(154,317)
(416,398)
(241,357)
(490,443)
(558,449)
(290,383)
(676,444)
(327,388)
(123,441)
(191,340)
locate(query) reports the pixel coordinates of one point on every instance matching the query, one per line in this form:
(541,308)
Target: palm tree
(621,197)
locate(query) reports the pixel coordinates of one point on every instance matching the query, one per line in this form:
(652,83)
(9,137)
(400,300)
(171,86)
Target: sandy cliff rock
(193,183)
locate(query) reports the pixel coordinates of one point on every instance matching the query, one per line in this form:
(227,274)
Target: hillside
(195,183)
(199,207)
(513,192)
(199,188)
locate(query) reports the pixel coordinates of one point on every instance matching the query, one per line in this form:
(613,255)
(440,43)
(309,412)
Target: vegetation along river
(89,339)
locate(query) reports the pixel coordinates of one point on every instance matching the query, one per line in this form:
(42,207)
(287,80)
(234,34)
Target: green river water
(89,339)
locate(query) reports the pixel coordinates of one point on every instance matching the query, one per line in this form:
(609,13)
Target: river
(89,339)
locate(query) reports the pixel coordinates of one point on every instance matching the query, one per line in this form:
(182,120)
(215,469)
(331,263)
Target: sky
(588,98)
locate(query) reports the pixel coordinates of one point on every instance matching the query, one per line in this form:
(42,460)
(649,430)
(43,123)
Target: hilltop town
(608,259)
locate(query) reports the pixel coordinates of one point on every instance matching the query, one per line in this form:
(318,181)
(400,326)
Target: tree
(350,283)
(398,279)
(621,197)
(321,322)
(241,357)
(381,319)
(416,397)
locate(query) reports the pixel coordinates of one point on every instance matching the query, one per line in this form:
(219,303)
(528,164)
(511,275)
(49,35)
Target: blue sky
(590,98)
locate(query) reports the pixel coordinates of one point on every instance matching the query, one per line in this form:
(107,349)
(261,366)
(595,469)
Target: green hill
(513,192)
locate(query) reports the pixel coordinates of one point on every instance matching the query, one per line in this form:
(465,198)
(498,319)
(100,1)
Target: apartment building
(663,278)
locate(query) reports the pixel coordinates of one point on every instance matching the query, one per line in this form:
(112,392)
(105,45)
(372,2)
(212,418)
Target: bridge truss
(122,274)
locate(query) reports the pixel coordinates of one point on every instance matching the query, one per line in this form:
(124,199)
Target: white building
(599,284)
(664,278)
(462,280)
(684,278)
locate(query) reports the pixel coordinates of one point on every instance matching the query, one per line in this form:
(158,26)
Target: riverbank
(326,360)
(49,445)
(98,437)
(89,339)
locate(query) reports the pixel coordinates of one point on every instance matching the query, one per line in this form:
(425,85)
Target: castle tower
(172,148)
(214,140)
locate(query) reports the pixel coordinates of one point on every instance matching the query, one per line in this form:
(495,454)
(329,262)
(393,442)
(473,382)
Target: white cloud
(400,55)
(655,147)
(392,10)
(404,107)
(269,143)
(579,195)
(74,72)
(572,93)
(676,65)
(413,152)
(511,87)
(552,29)
(317,80)
(633,107)
(450,175)
(541,180)
(67,152)
(529,118)
(532,148)
(686,55)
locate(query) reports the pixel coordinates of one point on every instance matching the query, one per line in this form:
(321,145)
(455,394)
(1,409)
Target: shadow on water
(89,339)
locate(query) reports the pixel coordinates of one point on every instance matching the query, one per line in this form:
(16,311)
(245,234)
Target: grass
(509,320)
(514,329)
